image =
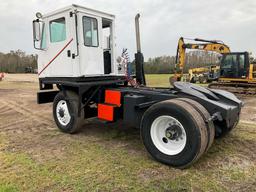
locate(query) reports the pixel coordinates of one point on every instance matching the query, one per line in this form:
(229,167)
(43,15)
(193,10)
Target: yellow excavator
(236,72)
(201,74)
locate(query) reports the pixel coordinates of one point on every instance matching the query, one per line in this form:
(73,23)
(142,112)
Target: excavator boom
(208,45)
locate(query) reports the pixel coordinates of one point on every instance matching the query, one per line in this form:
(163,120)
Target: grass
(161,80)
(7,188)
(116,161)
(153,80)
(158,80)
(111,157)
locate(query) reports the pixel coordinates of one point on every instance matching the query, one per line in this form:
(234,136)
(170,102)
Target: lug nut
(165,140)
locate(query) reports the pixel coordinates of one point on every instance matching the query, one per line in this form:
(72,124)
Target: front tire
(65,112)
(174,133)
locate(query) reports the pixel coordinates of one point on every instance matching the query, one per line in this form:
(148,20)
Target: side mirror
(37,30)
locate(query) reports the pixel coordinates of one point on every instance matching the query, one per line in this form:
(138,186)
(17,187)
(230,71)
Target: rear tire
(65,112)
(187,119)
(206,116)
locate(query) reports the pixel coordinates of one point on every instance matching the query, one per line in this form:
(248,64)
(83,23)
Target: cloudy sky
(162,22)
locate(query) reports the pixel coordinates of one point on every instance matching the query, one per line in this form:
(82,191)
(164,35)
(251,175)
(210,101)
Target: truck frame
(177,124)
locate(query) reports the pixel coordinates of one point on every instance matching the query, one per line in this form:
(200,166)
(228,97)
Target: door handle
(69,53)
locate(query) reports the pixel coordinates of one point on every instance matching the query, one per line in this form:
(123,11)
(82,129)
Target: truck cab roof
(79,8)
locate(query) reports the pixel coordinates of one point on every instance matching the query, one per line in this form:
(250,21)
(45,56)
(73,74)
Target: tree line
(18,62)
(166,64)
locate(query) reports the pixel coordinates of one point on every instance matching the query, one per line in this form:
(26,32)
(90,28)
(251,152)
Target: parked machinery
(237,74)
(177,125)
(201,74)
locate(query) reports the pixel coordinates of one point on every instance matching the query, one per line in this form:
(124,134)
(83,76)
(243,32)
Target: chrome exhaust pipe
(137,29)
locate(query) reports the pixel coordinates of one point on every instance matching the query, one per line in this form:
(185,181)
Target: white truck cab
(75,42)
(76,54)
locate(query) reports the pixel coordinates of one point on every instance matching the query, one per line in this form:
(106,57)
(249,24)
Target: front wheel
(174,133)
(65,112)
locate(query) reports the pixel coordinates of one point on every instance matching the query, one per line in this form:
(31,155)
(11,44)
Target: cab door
(235,65)
(55,60)
(244,65)
(91,51)
(229,66)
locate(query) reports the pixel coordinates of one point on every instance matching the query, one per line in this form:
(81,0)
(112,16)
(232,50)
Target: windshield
(229,66)
(233,66)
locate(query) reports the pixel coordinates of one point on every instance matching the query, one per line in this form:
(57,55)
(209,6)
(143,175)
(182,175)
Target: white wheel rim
(62,113)
(164,126)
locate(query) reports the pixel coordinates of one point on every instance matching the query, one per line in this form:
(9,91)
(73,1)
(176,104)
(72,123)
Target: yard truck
(78,72)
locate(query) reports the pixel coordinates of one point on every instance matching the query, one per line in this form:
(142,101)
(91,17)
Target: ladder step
(107,112)
(113,97)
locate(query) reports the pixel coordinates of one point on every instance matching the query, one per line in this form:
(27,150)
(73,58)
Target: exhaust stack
(139,58)
(137,29)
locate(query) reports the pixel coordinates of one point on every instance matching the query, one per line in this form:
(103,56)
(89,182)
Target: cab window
(241,61)
(58,30)
(90,30)
(229,62)
(230,65)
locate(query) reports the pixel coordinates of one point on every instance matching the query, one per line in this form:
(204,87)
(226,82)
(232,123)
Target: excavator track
(235,87)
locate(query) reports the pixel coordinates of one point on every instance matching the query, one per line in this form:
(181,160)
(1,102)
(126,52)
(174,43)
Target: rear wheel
(174,133)
(65,112)
(206,116)
(170,140)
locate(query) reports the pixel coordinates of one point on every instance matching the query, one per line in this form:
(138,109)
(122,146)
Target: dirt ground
(35,156)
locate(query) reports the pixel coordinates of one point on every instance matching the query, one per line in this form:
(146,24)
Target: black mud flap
(226,104)
(46,96)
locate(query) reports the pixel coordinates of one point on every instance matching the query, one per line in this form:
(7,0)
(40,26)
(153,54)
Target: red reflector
(113,97)
(106,112)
